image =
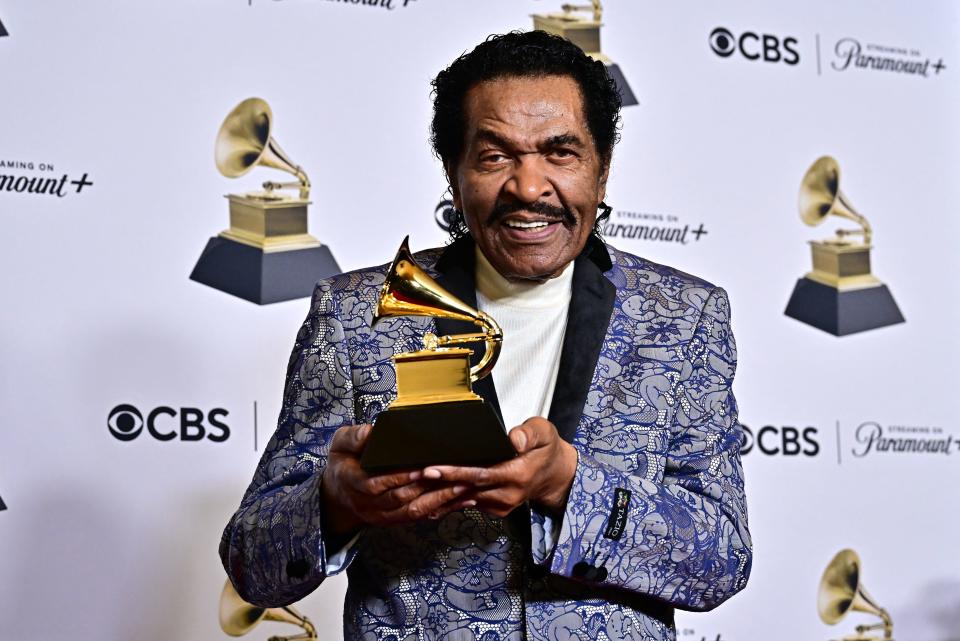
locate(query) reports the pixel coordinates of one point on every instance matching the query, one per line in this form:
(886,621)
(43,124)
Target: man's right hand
(353,499)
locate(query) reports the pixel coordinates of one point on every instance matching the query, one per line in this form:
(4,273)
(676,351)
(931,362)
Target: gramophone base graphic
(262,278)
(266,256)
(585,34)
(626,94)
(841,313)
(840,296)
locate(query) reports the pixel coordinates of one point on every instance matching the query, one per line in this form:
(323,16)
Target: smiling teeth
(516,224)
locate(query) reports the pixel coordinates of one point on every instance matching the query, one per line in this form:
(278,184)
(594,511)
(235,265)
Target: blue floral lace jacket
(656,518)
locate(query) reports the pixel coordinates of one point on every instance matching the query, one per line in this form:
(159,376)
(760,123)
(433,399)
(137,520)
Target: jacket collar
(591,305)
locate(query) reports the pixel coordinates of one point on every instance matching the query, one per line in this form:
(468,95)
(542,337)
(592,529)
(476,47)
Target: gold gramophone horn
(841,591)
(237,617)
(820,196)
(410,291)
(244,141)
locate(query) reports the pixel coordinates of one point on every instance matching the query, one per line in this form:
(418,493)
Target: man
(626,497)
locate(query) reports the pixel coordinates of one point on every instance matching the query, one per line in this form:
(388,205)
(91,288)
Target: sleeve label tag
(618,514)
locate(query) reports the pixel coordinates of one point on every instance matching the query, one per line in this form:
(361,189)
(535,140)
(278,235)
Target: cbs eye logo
(772,440)
(446,215)
(754,46)
(126,423)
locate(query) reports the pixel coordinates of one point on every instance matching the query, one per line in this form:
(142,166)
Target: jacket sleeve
(273,548)
(683,540)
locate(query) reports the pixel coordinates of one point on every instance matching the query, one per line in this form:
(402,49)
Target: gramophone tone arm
(851,232)
(886,625)
(303,184)
(459,339)
(492,338)
(309,631)
(594,6)
(847,211)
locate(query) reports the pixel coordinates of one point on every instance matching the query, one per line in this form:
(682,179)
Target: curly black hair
(521,54)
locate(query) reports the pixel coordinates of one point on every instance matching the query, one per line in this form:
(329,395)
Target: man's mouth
(530,216)
(537,224)
(525,231)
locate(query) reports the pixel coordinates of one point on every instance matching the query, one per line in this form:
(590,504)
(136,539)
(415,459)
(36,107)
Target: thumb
(519,439)
(527,436)
(351,438)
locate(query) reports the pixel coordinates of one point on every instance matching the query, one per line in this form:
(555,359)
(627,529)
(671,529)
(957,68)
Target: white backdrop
(105,539)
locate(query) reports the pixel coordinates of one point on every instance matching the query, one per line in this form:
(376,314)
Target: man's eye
(493,158)
(562,154)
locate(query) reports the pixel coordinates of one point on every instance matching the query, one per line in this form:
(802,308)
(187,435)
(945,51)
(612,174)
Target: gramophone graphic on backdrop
(841,592)
(840,295)
(584,31)
(266,255)
(237,617)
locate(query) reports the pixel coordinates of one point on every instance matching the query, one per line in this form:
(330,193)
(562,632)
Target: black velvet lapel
(591,305)
(456,275)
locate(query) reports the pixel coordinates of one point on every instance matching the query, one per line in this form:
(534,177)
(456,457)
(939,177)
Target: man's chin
(534,268)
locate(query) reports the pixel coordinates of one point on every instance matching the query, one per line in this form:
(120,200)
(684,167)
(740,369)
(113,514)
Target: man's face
(530,177)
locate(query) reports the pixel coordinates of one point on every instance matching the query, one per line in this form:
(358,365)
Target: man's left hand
(542,472)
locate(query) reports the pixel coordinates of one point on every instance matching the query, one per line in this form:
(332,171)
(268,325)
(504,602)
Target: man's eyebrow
(563,139)
(491,136)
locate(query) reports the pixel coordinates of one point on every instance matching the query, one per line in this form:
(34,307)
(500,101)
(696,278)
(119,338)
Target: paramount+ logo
(163,423)
(786,440)
(754,46)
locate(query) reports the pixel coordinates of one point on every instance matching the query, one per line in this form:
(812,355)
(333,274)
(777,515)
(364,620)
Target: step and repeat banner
(805,156)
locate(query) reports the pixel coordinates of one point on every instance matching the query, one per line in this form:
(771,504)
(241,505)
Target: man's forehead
(538,103)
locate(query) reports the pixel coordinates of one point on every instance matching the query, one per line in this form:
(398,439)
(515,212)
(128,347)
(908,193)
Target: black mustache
(502,209)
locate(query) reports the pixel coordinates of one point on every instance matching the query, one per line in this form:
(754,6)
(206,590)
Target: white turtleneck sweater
(533,317)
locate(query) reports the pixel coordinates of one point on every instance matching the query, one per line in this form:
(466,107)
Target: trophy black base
(260,277)
(841,313)
(458,433)
(626,95)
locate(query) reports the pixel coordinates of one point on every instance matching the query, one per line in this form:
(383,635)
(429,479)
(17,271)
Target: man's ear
(454,187)
(602,181)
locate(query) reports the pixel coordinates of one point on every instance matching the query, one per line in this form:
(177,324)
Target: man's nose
(528,182)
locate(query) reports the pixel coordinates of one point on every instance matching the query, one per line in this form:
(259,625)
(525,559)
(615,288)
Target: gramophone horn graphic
(266,255)
(841,591)
(839,295)
(237,617)
(584,31)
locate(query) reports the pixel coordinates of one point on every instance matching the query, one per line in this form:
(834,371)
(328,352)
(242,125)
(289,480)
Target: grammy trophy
(436,417)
